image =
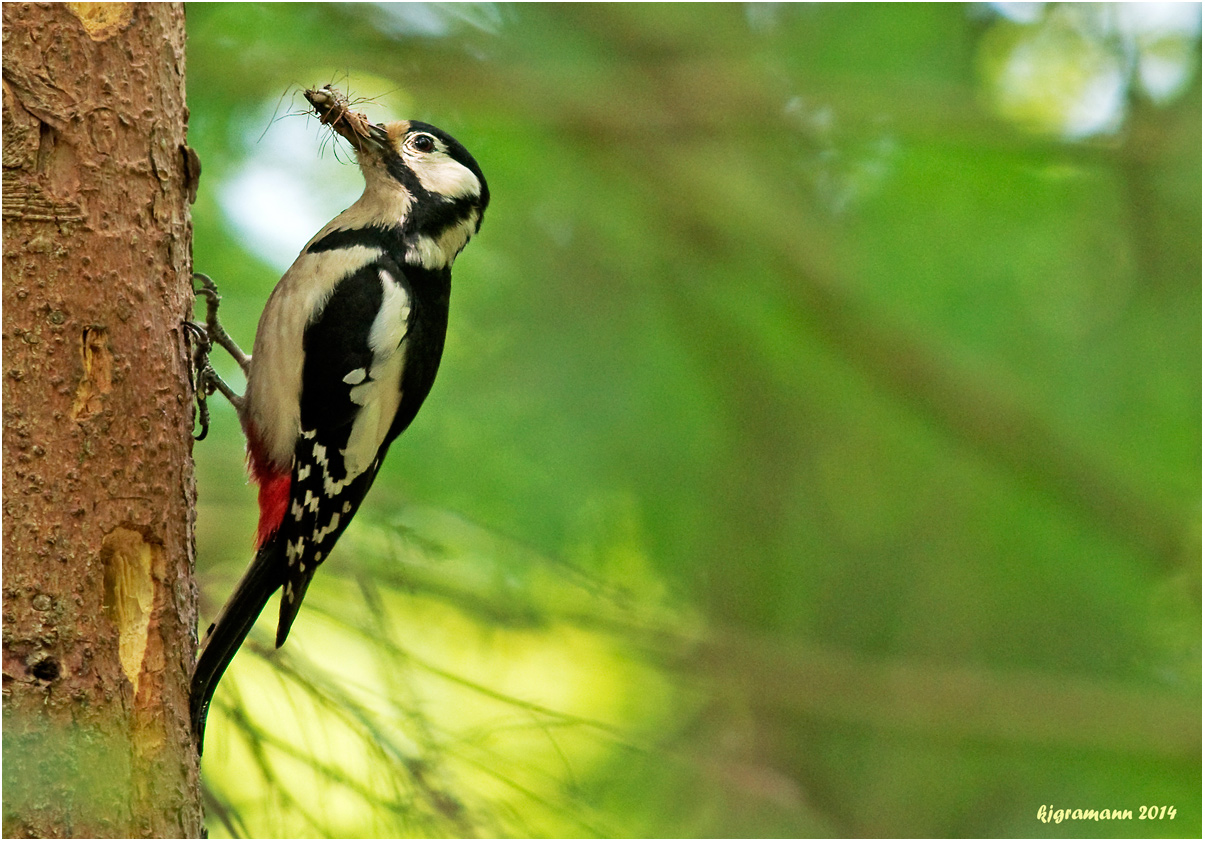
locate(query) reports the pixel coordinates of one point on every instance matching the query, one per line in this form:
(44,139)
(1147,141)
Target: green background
(817,449)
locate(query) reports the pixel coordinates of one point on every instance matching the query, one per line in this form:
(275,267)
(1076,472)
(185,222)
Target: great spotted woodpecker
(345,353)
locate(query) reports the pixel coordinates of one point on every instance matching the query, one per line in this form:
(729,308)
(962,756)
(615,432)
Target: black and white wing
(350,395)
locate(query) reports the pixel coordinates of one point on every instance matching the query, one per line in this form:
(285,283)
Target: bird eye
(423,142)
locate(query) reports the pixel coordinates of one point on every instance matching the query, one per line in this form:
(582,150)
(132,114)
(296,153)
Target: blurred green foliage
(816,450)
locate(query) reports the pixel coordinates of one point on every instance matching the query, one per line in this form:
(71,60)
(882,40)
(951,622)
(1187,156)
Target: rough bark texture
(99,605)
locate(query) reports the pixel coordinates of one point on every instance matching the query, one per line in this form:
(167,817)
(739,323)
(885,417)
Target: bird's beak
(378,136)
(334,110)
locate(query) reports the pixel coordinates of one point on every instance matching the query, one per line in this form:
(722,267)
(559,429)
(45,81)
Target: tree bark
(99,498)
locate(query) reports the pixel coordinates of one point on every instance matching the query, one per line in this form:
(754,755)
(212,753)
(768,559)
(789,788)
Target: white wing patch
(272,403)
(379,391)
(391,323)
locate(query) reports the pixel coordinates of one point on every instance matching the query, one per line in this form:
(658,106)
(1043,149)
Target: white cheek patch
(438,173)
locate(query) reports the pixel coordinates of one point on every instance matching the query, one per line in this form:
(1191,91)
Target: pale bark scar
(102,20)
(97,379)
(130,564)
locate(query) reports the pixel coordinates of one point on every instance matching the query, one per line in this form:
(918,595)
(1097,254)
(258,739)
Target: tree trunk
(99,602)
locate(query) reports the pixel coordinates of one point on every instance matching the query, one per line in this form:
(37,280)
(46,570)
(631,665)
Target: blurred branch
(440,809)
(503,584)
(1008,706)
(230,818)
(1156,212)
(954,702)
(334,698)
(985,409)
(689,106)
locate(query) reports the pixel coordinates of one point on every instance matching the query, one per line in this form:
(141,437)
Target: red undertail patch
(274,485)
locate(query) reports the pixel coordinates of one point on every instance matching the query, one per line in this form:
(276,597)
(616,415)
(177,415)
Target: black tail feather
(232,626)
(290,603)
